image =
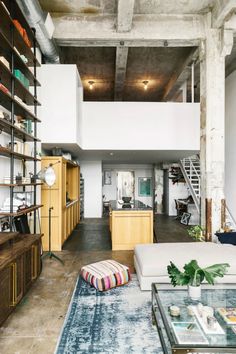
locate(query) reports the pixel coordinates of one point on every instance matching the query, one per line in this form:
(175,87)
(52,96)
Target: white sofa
(151,260)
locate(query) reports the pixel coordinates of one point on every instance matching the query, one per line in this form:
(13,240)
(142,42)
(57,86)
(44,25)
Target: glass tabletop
(209,322)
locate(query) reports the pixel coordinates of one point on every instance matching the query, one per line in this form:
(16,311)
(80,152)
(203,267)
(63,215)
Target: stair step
(195,169)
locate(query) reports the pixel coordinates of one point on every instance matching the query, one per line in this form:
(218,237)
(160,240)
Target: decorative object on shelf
(5,62)
(144,186)
(57,151)
(193,276)
(4,115)
(19,179)
(26,198)
(197,233)
(4,88)
(4,224)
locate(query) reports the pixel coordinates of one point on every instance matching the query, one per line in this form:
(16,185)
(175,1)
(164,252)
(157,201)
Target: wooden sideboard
(20,266)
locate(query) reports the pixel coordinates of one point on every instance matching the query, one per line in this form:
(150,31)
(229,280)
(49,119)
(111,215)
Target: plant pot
(194,292)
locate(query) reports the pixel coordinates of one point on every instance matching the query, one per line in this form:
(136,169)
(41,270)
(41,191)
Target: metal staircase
(190,167)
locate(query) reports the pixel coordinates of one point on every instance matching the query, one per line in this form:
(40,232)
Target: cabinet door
(5,293)
(18,280)
(27,269)
(32,264)
(35,260)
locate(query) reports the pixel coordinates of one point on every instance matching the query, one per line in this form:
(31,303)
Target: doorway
(125,184)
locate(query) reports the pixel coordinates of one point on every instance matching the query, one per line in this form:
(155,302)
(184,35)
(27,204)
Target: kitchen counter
(134,205)
(130,224)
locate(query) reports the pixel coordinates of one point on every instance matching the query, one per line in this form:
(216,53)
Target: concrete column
(213,50)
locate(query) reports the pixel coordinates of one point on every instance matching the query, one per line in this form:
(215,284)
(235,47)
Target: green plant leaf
(216,270)
(194,275)
(176,276)
(194,272)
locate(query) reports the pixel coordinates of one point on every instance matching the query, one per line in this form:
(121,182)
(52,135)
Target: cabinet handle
(34,262)
(14,284)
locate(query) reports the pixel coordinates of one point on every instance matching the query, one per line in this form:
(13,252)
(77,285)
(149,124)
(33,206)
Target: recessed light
(111,153)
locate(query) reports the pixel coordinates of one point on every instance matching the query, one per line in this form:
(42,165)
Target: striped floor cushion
(105,275)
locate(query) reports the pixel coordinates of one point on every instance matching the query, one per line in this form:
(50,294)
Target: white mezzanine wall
(141,126)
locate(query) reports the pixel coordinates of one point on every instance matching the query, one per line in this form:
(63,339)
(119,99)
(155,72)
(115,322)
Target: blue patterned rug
(115,321)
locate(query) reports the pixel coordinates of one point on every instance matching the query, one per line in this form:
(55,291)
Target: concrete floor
(35,324)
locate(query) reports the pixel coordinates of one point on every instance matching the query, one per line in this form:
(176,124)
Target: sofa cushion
(227,237)
(154,258)
(105,275)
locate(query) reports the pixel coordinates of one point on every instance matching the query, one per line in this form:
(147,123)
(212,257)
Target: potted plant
(196,232)
(193,276)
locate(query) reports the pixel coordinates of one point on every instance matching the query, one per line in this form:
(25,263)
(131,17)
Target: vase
(194,292)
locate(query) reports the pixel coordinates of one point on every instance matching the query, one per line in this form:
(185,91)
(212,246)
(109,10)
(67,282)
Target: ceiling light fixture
(91,83)
(145,82)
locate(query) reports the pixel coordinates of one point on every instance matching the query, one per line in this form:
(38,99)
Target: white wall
(176,191)
(92,174)
(61,99)
(230,143)
(139,171)
(141,125)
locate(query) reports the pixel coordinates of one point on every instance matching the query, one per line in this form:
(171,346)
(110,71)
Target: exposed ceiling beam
(180,75)
(125,11)
(71,42)
(153,30)
(121,64)
(222,11)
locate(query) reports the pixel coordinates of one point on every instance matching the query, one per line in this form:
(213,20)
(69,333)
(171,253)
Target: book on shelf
(189,333)
(228,314)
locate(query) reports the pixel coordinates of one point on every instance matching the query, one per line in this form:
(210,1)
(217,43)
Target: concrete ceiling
(156,65)
(116,44)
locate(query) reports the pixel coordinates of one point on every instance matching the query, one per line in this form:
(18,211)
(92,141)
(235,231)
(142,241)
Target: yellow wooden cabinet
(63,196)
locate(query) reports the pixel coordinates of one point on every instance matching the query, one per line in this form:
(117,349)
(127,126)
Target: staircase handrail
(192,167)
(188,178)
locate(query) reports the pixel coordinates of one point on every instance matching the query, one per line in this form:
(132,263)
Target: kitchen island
(130,224)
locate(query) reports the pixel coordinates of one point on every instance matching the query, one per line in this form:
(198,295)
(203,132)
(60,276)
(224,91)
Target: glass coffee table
(192,329)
